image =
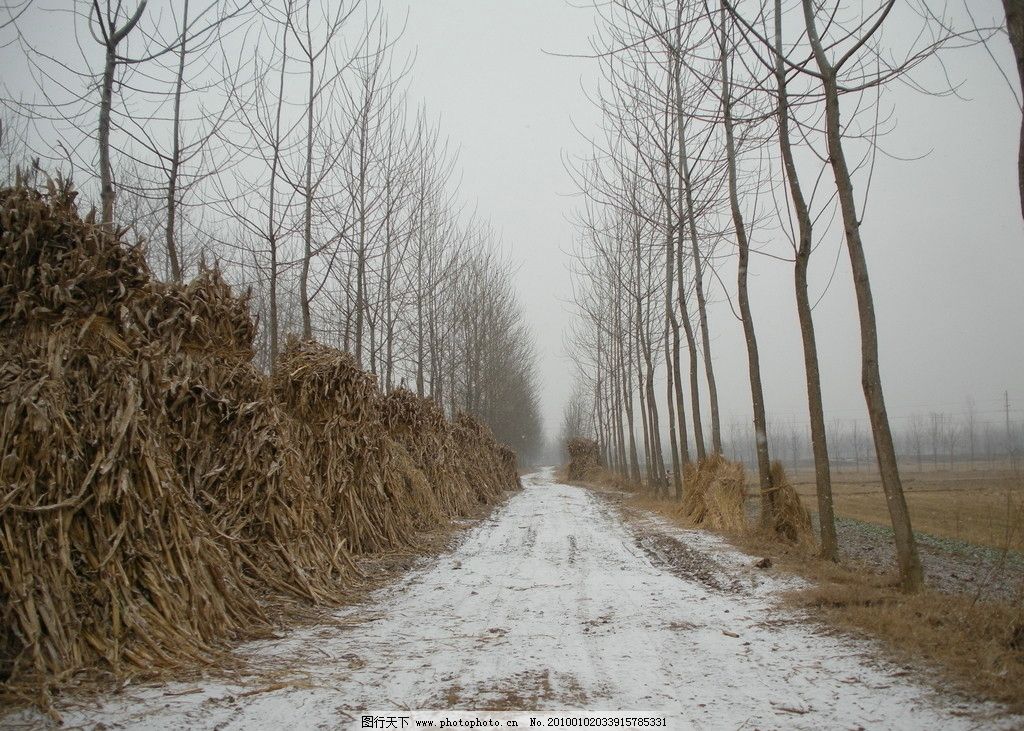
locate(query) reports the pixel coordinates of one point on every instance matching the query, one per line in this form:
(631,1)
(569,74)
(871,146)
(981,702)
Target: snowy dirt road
(556,602)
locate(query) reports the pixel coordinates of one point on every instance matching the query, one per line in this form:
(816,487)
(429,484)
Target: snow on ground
(555,603)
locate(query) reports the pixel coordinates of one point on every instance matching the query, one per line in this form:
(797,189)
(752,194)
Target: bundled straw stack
(714,494)
(584,458)
(236,447)
(792,521)
(337,411)
(419,425)
(485,465)
(158,494)
(106,558)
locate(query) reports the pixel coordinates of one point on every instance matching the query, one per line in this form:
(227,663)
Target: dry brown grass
(984,506)
(978,645)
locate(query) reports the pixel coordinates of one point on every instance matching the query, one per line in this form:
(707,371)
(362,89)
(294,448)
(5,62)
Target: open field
(978,505)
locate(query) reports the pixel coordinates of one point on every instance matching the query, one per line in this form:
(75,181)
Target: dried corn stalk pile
(421,427)
(584,458)
(486,466)
(346,449)
(158,494)
(106,558)
(236,448)
(792,521)
(714,494)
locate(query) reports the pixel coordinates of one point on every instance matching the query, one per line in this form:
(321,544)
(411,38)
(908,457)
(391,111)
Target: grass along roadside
(976,644)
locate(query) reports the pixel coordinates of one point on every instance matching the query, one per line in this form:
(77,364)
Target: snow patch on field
(554,604)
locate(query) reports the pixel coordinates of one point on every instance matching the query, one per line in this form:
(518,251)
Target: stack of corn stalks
(792,521)
(236,447)
(487,473)
(419,425)
(584,458)
(714,494)
(346,449)
(106,558)
(158,494)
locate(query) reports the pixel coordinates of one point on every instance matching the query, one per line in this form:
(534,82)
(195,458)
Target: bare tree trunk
(677,383)
(619,408)
(172,175)
(698,286)
(702,314)
(684,219)
(641,392)
(307,233)
(1015,29)
(627,397)
(420,355)
(621,431)
(271,209)
(361,246)
(691,346)
(657,457)
(686,189)
(389,333)
(911,573)
(112,37)
(602,436)
(677,469)
(107,194)
(819,442)
(743,245)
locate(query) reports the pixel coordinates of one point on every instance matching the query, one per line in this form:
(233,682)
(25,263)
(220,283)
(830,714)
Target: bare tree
(828,71)
(317,37)
(1015,30)
(743,249)
(805,238)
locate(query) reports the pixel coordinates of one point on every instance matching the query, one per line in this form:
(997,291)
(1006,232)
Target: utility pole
(1009,442)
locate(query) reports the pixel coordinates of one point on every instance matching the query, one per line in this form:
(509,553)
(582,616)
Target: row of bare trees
(733,131)
(278,139)
(929,441)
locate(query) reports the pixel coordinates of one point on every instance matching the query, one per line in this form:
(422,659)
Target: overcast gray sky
(944,233)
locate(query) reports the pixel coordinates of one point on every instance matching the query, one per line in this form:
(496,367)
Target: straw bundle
(346,450)
(235,446)
(158,494)
(487,472)
(584,458)
(55,267)
(420,426)
(714,494)
(510,462)
(792,521)
(105,557)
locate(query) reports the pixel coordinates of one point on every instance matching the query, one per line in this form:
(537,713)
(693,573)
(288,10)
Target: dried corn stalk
(158,494)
